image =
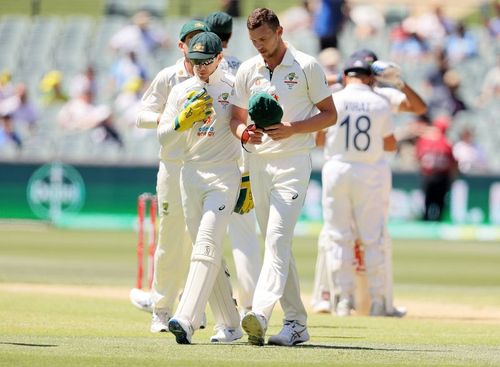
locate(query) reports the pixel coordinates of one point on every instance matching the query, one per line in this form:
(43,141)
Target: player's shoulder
(305,60)
(172,71)
(184,86)
(228,79)
(250,64)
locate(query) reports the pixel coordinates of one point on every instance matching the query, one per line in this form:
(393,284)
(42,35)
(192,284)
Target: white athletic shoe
(141,299)
(226,335)
(159,322)
(255,326)
(292,333)
(378,308)
(344,307)
(182,330)
(397,312)
(322,306)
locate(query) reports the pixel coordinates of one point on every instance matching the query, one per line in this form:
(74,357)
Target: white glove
(387,73)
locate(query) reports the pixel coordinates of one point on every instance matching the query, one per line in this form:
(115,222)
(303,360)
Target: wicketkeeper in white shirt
(279,162)
(210,180)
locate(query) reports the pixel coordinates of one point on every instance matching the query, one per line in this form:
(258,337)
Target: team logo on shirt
(223,100)
(291,79)
(206,129)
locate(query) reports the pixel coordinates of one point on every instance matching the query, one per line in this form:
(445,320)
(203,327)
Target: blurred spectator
(127,104)
(328,21)
(444,84)
(407,45)
(138,37)
(368,21)
(437,167)
(493,24)
(297,18)
(20,110)
(7,132)
(491,85)
(231,7)
(468,154)
(78,114)
(329,59)
(51,88)
(434,26)
(126,68)
(6,86)
(85,81)
(461,45)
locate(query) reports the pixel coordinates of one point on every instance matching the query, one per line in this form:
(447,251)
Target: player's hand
(198,107)
(252,135)
(387,73)
(245,200)
(279,131)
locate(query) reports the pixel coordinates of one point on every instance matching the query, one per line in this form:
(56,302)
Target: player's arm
(239,126)
(326,117)
(413,102)
(390,143)
(152,104)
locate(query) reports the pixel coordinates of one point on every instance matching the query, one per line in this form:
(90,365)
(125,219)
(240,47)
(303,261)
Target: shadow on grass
(345,347)
(30,345)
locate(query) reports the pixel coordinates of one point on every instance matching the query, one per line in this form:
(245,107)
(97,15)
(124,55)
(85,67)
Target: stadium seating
(32,46)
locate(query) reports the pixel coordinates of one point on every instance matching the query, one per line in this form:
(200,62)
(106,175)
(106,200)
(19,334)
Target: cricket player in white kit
(173,249)
(280,166)
(242,232)
(353,183)
(172,253)
(210,181)
(402,98)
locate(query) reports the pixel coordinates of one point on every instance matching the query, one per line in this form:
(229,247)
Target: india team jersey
(211,140)
(153,102)
(298,83)
(364,120)
(393,95)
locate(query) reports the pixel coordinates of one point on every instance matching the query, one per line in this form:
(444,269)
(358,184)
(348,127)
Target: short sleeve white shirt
(393,95)
(298,84)
(364,120)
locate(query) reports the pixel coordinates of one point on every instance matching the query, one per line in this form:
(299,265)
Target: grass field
(64,302)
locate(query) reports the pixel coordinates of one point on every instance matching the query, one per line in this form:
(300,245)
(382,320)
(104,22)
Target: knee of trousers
(207,252)
(374,258)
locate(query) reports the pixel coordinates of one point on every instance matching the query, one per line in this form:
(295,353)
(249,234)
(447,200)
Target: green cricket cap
(204,45)
(192,26)
(264,110)
(219,22)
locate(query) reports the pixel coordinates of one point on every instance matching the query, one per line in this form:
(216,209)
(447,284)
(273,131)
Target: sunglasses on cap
(205,62)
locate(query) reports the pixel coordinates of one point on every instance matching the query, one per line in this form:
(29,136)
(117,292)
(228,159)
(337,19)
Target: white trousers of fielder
(279,186)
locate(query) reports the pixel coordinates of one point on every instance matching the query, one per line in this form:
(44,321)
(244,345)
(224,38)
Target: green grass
(47,325)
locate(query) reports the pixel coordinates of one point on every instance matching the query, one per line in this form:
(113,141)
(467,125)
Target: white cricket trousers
(323,280)
(279,185)
(353,193)
(171,259)
(246,254)
(209,193)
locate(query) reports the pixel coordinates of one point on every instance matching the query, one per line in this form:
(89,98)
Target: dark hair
(224,37)
(261,16)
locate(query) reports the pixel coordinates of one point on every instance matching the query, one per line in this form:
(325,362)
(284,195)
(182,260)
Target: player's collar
(181,68)
(358,86)
(214,78)
(288,58)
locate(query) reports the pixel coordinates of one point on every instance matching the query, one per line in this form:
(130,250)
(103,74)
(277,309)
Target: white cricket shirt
(364,120)
(298,83)
(208,141)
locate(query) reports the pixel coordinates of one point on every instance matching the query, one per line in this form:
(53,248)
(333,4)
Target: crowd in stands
(454,66)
